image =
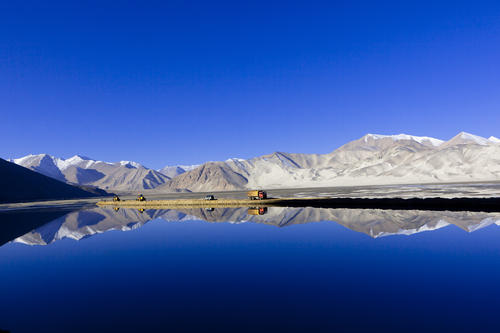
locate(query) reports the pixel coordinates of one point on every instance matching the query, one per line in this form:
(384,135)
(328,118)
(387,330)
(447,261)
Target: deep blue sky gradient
(173,82)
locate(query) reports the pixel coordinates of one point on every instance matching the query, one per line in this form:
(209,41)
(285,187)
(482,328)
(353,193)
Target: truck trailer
(257,195)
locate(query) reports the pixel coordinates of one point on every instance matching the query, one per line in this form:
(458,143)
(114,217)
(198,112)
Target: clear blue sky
(173,82)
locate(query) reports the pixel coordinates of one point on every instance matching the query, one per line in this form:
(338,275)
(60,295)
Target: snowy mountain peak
(420,139)
(467,138)
(81,157)
(494,139)
(76,159)
(30,158)
(63,164)
(131,163)
(235,159)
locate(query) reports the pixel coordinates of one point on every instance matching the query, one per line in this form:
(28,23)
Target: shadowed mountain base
(14,224)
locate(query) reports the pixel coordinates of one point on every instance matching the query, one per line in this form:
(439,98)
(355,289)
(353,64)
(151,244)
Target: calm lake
(245,270)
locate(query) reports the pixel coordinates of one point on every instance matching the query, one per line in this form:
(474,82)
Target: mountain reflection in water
(180,274)
(373,222)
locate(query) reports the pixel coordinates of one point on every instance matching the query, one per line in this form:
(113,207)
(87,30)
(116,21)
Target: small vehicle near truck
(210,197)
(257,195)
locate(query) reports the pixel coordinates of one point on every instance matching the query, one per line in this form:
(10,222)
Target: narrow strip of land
(162,204)
(453,204)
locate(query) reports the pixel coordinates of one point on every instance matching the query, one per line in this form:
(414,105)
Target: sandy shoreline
(437,204)
(461,190)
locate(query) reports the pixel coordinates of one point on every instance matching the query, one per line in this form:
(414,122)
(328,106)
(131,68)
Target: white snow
(189,167)
(134,164)
(28,159)
(81,161)
(494,139)
(235,159)
(420,139)
(440,224)
(484,223)
(473,138)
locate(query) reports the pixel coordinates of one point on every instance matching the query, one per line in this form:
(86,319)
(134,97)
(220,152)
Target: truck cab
(257,195)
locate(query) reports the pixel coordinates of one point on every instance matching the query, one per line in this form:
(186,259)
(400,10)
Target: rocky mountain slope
(20,184)
(370,160)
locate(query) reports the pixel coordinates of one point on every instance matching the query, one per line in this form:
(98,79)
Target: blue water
(196,276)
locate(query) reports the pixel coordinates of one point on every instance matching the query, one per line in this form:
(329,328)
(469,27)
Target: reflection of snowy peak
(80,224)
(373,222)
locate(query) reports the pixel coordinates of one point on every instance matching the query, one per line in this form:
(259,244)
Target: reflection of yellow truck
(257,210)
(257,195)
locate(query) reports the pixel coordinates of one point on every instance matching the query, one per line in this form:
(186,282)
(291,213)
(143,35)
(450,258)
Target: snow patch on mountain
(494,139)
(82,161)
(440,224)
(131,163)
(466,138)
(420,139)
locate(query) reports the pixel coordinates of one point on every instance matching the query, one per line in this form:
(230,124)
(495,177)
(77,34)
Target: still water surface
(300,269)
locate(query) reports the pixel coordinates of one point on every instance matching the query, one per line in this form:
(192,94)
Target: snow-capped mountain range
(124,175)
(373,159)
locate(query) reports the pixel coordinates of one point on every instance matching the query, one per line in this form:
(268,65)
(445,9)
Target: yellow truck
(257,195)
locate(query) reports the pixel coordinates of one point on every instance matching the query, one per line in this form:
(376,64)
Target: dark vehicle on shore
(141,197)
(210,197)
(116,198)
(257,195)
